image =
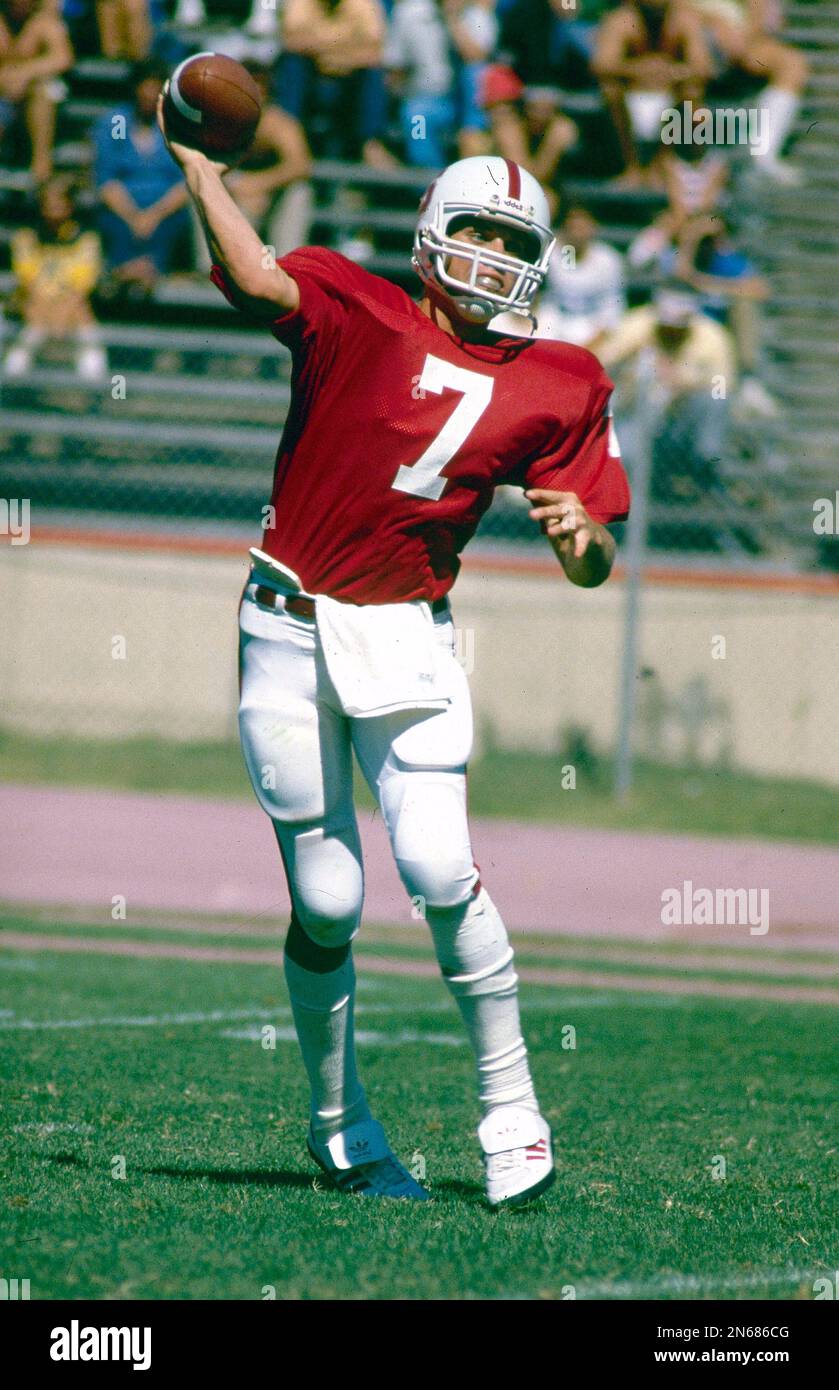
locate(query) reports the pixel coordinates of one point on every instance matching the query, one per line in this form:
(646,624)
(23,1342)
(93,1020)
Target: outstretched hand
(184,154)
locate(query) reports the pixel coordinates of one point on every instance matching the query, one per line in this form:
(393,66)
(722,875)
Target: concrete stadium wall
(542,657)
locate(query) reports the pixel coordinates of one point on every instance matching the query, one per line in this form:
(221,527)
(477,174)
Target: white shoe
(357,248)
(91,364)
(263,21)
(780,171)
(189,13)
(517,1155)
(754,401)
(17,362)
(359,1159)
(647,247)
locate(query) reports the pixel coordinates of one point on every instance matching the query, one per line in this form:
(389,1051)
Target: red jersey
(398,433)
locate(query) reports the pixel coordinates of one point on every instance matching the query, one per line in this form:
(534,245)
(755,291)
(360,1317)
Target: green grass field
(157,1064)
(518,786)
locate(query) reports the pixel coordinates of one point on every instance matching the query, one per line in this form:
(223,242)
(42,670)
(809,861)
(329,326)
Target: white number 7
(423,477)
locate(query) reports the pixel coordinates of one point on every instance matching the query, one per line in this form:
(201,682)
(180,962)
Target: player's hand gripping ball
(212,104)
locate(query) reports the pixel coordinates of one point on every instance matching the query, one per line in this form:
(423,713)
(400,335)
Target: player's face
(671,337)
(538,114)
(145,96)
(579,229)
(507,240)
(55,204)
(18,11)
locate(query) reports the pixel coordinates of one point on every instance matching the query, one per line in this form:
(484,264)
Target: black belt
(305,607)
(292,603)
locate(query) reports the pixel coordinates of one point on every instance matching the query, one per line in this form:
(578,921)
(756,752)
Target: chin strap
(474,309)
(443,303)
(455,304)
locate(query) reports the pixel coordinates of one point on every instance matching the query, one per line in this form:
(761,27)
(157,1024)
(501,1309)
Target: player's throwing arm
(260,286)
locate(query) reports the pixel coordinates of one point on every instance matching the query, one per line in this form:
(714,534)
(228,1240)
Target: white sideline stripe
(365,1037)
(8,1022)
(142,1021)
(41,1130)
(254,1034)
(694,1283)
(410,1035)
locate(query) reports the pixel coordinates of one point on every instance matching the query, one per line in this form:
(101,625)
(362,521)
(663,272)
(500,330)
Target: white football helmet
(485,186)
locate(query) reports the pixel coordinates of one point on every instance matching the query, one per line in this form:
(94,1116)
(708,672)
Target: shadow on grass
(471,1192)
(254,1176)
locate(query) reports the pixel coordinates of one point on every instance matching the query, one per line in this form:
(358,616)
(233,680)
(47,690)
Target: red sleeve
(588,461)
(330,285)
(318,315)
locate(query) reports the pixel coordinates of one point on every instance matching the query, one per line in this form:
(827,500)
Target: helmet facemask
(435,246)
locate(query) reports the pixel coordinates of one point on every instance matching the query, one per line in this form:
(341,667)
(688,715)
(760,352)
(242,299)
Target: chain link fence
(185,425)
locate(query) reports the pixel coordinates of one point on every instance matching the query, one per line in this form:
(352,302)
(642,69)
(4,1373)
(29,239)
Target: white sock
(91,360)
(778,109)
(322,1005)
(476,958)
(30,339)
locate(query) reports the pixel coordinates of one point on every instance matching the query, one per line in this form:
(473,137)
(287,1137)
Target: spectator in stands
(56,266)
(435,54)
(546,46)
(731,292)
(473,33)
(125,28)
(271,184)
(694,175)
(650,55)
(585,295)
(421,73)
(671,360)
(34,50)
(550,43)
(331,65)
(142,194)
(741,35)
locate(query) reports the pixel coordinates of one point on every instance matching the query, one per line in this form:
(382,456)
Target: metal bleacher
(187,422)
(800,253)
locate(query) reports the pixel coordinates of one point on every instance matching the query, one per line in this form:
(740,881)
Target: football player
(404,417)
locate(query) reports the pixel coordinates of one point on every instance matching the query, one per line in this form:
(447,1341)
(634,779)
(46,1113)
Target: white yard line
(365,1037)
(692,1284)
(43,1130)
(142,1020)
(257,1016)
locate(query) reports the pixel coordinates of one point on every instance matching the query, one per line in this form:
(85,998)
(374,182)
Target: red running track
(80,847)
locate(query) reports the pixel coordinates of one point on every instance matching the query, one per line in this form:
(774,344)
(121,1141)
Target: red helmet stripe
(426,197)
(514,179)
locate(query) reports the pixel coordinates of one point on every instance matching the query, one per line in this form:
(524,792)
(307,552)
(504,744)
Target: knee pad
(426,817)
(473,948)
(325,880)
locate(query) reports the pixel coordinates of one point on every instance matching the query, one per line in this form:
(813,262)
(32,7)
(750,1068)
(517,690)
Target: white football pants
(298,750)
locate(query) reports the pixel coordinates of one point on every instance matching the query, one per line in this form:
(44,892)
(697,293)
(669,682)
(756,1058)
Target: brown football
(212,104)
